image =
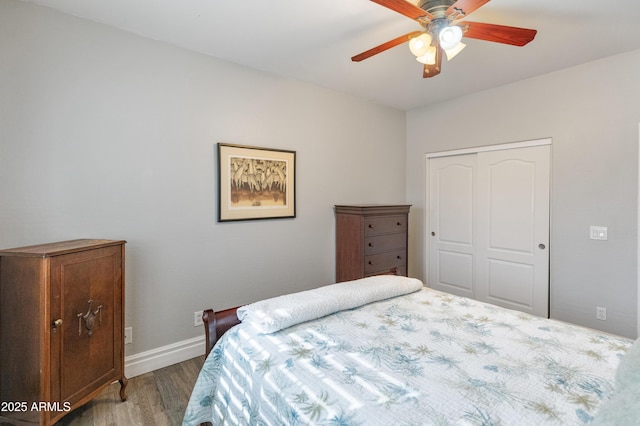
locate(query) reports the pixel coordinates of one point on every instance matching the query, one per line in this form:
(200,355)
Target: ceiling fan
(443,31)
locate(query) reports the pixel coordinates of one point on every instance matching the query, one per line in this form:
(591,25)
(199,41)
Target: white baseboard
(164,356)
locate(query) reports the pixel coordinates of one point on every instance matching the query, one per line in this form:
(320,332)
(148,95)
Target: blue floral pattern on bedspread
(427,358)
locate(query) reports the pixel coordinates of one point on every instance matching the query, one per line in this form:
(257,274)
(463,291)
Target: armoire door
(489,218)
(86,294)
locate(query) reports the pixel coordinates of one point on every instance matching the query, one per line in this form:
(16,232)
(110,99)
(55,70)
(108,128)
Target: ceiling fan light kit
(442,31)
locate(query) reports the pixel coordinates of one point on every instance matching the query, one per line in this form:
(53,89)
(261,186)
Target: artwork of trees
(257,182)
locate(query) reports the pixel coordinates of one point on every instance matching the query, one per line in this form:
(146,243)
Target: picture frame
(255,183)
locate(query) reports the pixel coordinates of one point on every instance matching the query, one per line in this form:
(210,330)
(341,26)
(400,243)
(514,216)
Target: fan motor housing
(437,8)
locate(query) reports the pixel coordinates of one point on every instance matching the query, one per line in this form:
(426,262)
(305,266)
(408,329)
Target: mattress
(422,358)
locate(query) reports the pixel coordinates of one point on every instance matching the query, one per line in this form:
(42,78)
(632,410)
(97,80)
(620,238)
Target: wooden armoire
(61,327)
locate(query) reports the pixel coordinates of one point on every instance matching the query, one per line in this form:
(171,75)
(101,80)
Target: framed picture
(255,183)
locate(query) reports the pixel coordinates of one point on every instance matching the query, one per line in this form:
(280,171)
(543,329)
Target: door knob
(541,246)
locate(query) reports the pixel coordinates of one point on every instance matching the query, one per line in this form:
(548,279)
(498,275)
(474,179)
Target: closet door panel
(451,212)
(513,208)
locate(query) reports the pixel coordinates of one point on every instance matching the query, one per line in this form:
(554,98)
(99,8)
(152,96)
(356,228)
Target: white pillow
(280,312)
(628,372)
(623,409)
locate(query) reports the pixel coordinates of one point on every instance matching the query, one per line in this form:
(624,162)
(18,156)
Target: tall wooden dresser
(370,239)
(61,327)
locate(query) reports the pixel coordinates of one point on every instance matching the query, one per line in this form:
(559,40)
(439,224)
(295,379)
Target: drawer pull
(399,224)
(89,319)
(370,226)
(398,257)
(370,263)
(370,244)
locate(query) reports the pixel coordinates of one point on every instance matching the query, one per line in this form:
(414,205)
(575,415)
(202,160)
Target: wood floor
(156,398)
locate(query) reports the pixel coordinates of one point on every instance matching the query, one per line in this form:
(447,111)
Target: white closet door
(489,219)
(512,243)
(452,188)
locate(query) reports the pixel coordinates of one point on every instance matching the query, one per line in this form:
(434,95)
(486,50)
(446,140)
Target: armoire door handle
(56,324)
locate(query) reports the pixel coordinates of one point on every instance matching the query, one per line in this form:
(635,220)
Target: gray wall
(104,134)
(591,112)
(109,135)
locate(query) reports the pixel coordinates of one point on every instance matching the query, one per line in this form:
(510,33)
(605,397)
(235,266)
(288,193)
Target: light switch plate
(598,232)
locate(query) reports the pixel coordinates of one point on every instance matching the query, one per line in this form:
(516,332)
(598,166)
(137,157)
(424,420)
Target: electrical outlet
(128,335)
(197,318)
(601,313)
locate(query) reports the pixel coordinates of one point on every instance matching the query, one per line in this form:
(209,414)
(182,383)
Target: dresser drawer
(384,224)
(379,243)
(398,270)
(384,261)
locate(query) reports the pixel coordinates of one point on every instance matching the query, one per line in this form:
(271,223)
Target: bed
(387,350)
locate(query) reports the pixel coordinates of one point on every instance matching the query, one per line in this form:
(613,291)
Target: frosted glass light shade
(451,53)
(419,45)
(449,37)
(429,58)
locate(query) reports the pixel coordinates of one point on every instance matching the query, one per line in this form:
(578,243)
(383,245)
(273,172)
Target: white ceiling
(313,41)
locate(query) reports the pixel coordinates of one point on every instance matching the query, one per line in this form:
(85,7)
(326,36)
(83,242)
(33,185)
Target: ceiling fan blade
(405,8)
(499,33)
(464,7)
(433,70)
(385,46)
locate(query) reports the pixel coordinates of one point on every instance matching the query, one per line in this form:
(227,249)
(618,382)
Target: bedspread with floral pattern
(427,358)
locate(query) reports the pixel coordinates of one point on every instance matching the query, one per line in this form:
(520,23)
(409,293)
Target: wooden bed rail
(216,324)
